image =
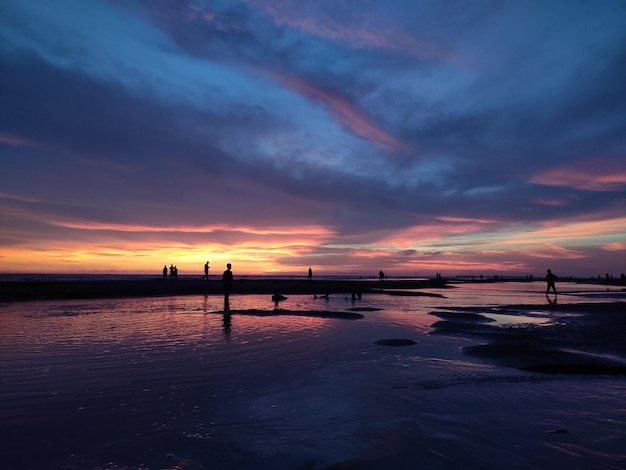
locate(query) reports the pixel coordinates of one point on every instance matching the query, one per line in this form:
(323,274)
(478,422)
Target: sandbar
(42,290)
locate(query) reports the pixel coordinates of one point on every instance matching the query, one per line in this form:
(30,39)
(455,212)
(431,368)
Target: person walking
(550,281)
(206,271)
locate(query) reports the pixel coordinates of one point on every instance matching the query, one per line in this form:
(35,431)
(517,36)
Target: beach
(419,375)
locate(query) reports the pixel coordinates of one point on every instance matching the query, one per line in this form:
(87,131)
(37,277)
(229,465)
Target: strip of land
(41,290)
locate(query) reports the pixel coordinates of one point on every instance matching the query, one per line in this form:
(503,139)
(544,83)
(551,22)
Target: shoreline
(15,291)
(45,290)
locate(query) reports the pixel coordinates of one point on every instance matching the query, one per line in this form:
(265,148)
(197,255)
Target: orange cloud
(615,246)
(310,230)
(465,220)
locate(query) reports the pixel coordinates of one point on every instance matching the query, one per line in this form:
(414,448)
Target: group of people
(173,271)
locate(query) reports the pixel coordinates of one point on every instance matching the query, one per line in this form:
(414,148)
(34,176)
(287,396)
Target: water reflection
(227,324)
(153,366)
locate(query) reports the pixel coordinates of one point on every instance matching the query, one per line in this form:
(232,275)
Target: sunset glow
(278,135)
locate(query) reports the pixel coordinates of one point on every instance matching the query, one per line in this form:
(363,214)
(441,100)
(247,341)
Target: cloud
(14,140)
(348,114)
(615,246)
(360,28)
(589,175)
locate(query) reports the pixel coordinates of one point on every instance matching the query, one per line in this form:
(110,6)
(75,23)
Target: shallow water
(159,382)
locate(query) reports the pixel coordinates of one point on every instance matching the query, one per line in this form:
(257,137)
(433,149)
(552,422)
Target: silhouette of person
(310,274)
(227,278)
(381,275)
(171,271)
(550,280)
(164,271)
(206,271)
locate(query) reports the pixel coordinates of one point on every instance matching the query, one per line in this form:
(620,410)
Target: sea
(180,383)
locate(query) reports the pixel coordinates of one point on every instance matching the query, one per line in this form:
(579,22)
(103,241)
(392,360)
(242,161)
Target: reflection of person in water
(227,278)
(550,280)
(227,324)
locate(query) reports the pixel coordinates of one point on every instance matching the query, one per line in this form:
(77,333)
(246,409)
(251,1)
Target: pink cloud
(449,226)
(591,175)
(348,114)
(17,141)
(361,32)
(551,202)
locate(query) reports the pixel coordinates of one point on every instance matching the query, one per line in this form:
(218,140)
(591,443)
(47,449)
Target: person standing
(206,271)
(310,276)
(165,271)
(227,278)
(550,281)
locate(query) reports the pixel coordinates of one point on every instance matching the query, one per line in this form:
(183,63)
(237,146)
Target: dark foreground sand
(586,338)
(35,290)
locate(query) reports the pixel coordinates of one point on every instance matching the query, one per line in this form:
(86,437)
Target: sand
(34,290)
(586,338)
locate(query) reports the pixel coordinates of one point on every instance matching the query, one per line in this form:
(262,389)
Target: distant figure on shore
(310,276)
(227,278)
(550,280)
(381,275)
(206,271)
(171,271)
(165,271)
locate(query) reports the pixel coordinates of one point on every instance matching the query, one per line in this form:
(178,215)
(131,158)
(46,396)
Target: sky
(466,138)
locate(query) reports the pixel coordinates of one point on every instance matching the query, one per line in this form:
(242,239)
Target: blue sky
(416,137)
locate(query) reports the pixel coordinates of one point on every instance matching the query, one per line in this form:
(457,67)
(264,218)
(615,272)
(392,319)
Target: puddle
(508,320)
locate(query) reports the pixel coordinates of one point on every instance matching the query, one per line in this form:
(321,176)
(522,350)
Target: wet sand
(36,290)
(585,338)
(147,381)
